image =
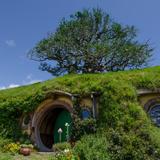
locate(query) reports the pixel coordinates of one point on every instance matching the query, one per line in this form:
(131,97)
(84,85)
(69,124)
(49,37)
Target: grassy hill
(124,130)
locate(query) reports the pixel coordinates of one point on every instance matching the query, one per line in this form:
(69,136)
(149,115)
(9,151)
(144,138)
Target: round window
(86,114)
(26,120)
(155,114)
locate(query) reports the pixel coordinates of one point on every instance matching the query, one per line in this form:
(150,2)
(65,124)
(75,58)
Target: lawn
(33,156)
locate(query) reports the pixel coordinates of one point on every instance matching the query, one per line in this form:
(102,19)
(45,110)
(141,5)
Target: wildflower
(66,150)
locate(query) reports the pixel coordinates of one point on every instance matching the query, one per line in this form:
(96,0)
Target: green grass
(33,156)
(75,83)
(129,133)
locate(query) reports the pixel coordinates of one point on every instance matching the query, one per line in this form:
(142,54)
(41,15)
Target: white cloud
(10,43)
(2,87)
(9,86)
(13,85)
(29,77)
(29,80)
(34,81)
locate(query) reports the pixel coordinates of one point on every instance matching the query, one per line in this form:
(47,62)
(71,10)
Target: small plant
(82,127)
(92,147)
(27,146)
(67,156)
(61,146)
(4,142)
(12,147)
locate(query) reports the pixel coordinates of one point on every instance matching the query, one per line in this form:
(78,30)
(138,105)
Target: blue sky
(24,22)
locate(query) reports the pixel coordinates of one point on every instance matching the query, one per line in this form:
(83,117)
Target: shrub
(66,156)
(82,127)
(27,146)
(126,125)
(128,146)
(92,147)
(4,142)
(61,146)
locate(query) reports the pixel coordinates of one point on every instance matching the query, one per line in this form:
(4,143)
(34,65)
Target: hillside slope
(123,123)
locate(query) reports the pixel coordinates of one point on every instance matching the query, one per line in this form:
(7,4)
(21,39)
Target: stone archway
(44,120)
(151,102)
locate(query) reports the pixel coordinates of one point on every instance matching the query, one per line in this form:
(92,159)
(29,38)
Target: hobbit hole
(42,127)
(150,100)
(52,114)
(51,122)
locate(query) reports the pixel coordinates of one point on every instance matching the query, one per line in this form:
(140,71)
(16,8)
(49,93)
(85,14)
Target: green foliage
(4,142)
(81,126)
(92,147)
(122,124)
(66,156)
(24,139)
(11,110)
(61,146)
(12,148)
(131,145)
(128,126)
(27,146)
(90,42)
(5,156)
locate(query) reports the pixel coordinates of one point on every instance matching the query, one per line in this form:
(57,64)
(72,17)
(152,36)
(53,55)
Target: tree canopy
(90,42)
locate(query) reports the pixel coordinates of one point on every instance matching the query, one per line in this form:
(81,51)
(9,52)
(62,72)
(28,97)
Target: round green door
(63,118)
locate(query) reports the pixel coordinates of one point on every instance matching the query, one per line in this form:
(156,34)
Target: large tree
(89,42)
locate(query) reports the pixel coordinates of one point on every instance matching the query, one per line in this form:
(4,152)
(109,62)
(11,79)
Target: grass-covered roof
(126,126)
